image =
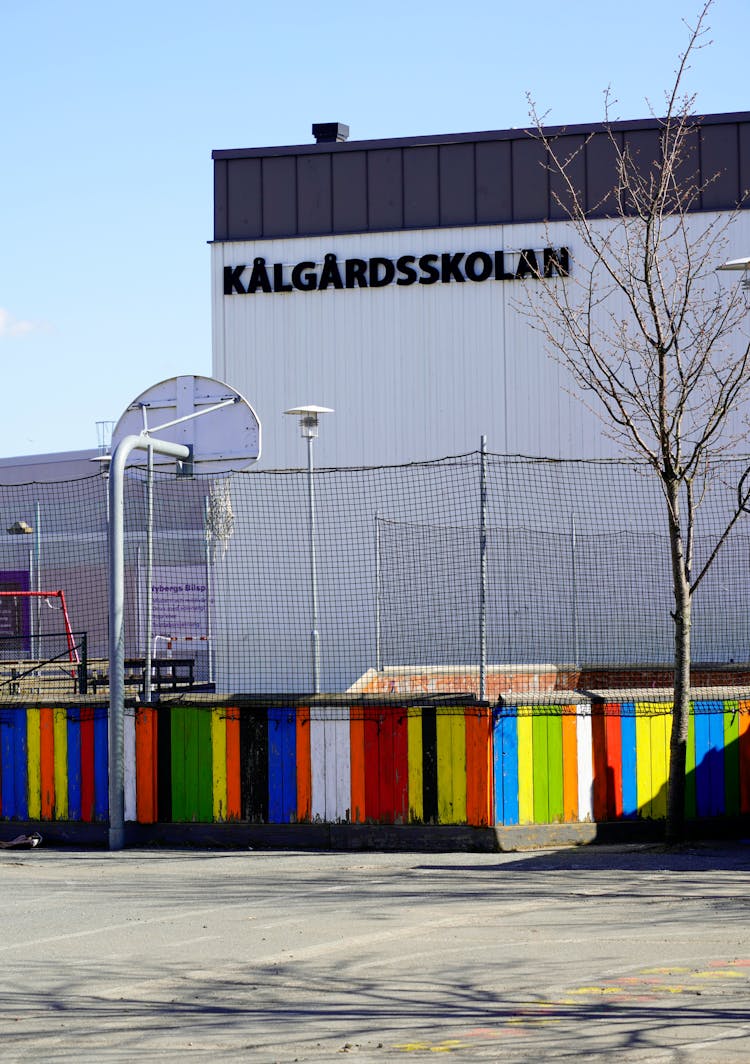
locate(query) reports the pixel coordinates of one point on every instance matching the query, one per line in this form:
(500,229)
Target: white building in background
(385,279)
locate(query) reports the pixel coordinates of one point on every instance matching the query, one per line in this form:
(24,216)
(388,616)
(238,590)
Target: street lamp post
(308,423)
(35,567)
(738,264)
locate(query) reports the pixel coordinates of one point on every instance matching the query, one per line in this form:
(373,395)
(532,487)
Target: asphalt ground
(628,953)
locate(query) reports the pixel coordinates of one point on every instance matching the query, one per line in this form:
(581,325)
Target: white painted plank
(585,764)
(129,741)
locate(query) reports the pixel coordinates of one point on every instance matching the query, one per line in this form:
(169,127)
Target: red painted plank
(613,734)
(371,727)
(400,766)
(386,796)
(599,752)
(87,764)
(234,771)
(47,762)
(304,765)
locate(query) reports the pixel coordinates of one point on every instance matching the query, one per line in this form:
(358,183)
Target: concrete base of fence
(405,838)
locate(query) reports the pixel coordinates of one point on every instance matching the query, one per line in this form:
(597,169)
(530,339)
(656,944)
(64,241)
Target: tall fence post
(574,588)
(483,570)
(378,643)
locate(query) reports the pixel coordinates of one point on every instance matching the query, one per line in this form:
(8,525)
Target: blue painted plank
(14,764)
(703,759)
(282,772)
(497,767)
(717,796)
(74,764)
(289,766)
(506,766)
(21,766)
(101,768)
(629,786)
(7,765)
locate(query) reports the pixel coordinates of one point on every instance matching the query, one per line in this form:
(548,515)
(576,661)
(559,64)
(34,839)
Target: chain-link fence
(525,575)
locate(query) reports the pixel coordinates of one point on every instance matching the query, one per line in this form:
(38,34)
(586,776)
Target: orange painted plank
(47,762)
(304,765)
(570,763)
(234,771)
(478,766)
(744,744)
(145,765)
(357,763)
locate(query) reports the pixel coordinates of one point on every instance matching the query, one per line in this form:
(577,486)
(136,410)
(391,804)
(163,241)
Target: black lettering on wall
(501,273)
(304,277)
(259,277)
(556,262)
(330,276)
(279,284)
(356,273)
(232,282)
(478,266)
(379,279)
(408,274)
(380,271)
(430,274)
(527,265)
(450,270)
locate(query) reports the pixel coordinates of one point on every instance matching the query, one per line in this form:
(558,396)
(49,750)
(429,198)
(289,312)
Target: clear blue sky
(109,113)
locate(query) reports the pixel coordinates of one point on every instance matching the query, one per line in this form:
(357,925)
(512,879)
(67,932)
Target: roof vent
(330,132)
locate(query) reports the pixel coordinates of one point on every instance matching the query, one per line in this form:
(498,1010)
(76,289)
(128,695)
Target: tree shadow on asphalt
(265,1008)
(651,857)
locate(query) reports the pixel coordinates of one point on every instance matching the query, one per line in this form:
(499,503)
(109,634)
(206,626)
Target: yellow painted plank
(451,766)
(652,729)
(34,754)
(642,760)
(659,761)
(444,767)
(60,731)
(416,773)
(525,766)
(219,763)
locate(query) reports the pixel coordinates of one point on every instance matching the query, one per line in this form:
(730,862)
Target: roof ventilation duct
(330,132)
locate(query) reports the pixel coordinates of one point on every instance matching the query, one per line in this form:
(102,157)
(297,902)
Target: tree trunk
(675,829)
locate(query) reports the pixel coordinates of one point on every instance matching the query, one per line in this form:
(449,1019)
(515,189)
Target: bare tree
(650,337)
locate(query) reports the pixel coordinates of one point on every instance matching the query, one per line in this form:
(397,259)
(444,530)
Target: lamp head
(309,418)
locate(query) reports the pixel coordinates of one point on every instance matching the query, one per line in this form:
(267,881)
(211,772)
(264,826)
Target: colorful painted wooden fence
(611,761)
(53,764)
(281,765)
(370,764)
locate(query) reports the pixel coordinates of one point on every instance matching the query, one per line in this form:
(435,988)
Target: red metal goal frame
(72,648)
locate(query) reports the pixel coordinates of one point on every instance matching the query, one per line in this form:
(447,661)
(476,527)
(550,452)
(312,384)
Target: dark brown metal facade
(453,180)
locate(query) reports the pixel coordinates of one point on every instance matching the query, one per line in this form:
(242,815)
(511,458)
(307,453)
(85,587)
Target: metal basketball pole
(117,622)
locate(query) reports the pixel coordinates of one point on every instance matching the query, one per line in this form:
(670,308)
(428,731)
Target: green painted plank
(540,744)
(690,792)
(555,768)
(204,767)
(525,739)
(179,806)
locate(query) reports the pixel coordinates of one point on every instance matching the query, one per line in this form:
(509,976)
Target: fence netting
(419,579)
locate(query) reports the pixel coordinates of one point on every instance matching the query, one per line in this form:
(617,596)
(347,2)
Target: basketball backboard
(210,417)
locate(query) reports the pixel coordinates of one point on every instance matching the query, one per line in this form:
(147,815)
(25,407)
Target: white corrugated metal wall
(413,372)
